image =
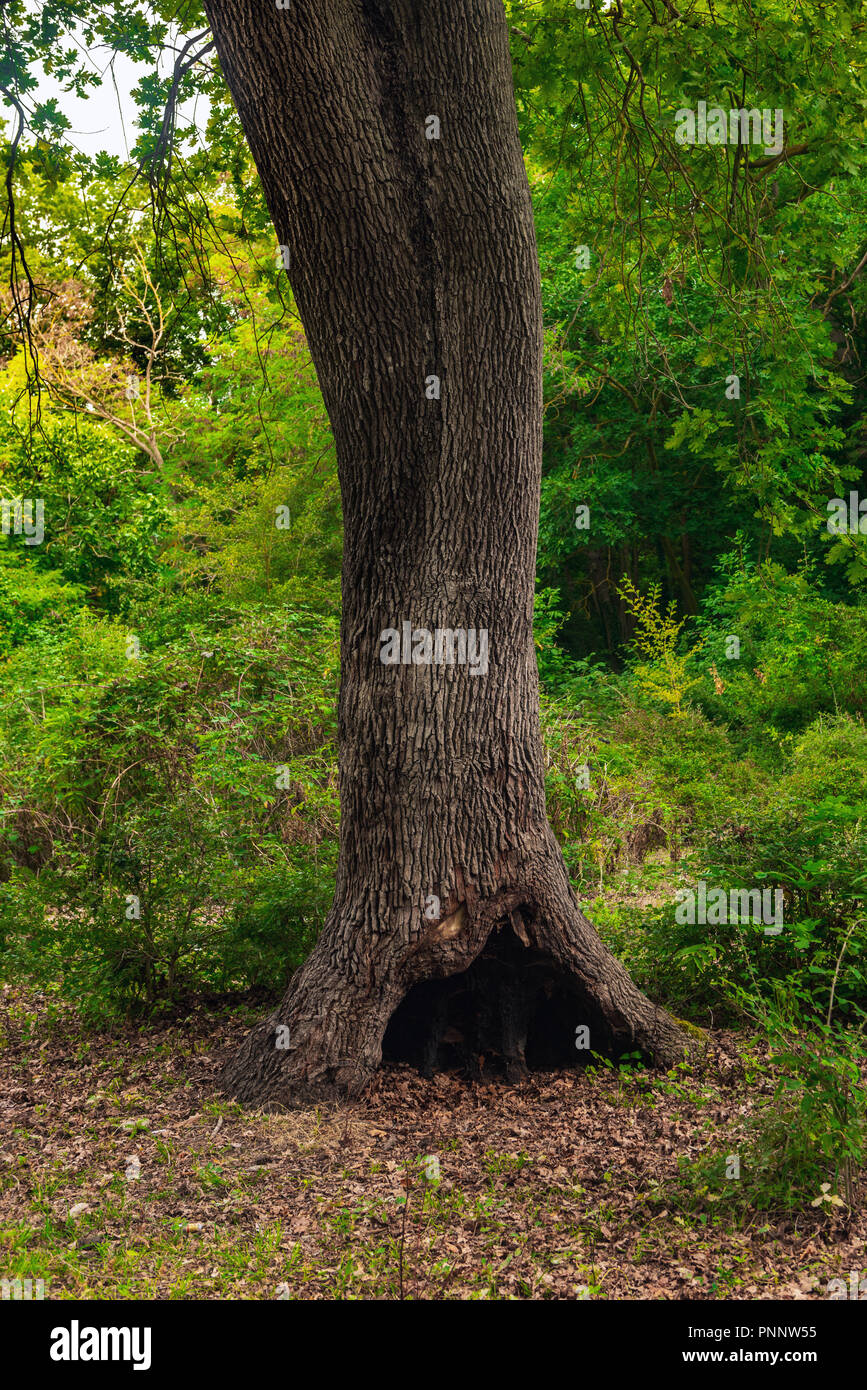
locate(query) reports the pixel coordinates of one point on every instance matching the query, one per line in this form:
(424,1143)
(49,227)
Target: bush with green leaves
(170,817)
(104,518)
(799,654)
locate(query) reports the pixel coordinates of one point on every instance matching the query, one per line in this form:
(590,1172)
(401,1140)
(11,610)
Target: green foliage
(809,1139)
(102,519)
(703,262)
(169,818)
(661,671)
(801,653)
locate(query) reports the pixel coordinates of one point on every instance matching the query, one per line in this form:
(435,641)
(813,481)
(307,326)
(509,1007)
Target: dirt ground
(124,1174)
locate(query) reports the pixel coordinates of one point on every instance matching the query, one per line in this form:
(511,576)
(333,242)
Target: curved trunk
(386,139)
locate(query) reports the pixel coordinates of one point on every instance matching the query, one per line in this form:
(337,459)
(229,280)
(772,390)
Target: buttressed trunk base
(493,986)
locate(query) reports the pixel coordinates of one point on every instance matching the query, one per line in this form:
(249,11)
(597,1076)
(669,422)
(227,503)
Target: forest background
(169,650)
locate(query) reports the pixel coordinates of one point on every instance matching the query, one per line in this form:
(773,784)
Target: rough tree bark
(414,257)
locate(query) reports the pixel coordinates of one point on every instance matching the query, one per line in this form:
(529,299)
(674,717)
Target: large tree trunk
(414,257)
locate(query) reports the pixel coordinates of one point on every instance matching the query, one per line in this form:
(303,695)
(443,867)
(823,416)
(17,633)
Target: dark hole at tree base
(514,1010)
